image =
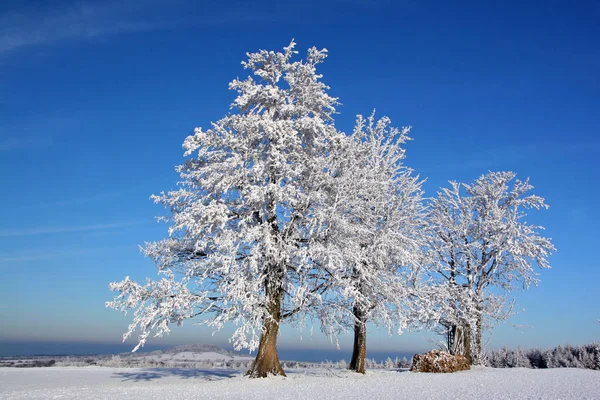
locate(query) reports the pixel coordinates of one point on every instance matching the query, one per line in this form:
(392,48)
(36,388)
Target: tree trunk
(267,359)
(477,350)
(467,342)
(459,340)
(359,352)
(450,335)
(456,340)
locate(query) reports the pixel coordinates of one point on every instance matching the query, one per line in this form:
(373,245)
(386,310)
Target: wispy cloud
(26,258)
(18,133)
(364,3)
(45,254)
(510,155)
(72,199)
(85,19)
(42,25)
(61,229)
(10,144)
(82,199)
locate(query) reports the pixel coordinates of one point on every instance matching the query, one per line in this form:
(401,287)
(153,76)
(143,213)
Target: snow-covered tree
(404,363)
(372,231)
(520,359)
(241,225)
(548,359)
(389,363)
(482,249)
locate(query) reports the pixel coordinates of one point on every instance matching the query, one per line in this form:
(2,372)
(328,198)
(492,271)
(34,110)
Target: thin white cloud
(75,200)
(61,229)
(11,144)
(85,19)
(34,26)
(364,3)
(47,255)
(510,155)
(32,133)
(81,200)
(26,258)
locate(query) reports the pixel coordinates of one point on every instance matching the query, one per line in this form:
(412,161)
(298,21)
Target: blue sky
(97,97)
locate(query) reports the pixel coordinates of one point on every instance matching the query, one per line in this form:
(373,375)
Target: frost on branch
(371,232)
(241,220)
(482,249)
(157,304)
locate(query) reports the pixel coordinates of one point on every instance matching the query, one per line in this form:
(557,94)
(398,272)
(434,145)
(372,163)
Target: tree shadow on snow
(153,374)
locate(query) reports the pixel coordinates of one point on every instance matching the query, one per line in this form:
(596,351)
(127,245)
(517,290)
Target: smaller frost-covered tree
(548,359)
(404,362)
(389,363)
(597,357)
(372,228)
(520,359)
(239,245)
(481,242)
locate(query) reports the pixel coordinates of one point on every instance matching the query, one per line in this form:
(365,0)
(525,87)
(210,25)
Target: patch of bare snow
(177,383)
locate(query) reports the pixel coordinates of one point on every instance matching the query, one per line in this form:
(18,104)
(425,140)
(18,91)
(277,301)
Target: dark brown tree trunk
(477,352)
(359,352)
(267,360)
(454,335)
(467,342)
(450,339)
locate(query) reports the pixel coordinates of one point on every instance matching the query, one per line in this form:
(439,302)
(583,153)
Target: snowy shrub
(440,362)
(114,361)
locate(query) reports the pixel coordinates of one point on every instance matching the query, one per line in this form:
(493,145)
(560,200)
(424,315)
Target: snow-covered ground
(192,356)
(179,383)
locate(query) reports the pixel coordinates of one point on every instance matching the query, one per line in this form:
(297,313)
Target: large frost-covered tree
(482,249)
(372,238)
(240,235)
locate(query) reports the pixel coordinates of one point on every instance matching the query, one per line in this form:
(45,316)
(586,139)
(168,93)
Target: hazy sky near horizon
(96,98)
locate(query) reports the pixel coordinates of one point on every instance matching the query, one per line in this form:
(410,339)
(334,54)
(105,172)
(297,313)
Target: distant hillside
(186,354)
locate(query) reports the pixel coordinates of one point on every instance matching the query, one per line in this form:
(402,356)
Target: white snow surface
(177,383)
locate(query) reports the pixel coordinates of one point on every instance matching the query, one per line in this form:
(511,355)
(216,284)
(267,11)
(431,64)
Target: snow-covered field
(192,356)
(179,383)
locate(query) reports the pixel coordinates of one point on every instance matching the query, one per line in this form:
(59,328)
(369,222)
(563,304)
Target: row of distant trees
(281,217)
(117,361)
(586,356)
